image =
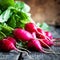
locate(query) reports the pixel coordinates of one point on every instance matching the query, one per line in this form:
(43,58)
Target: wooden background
(45,10)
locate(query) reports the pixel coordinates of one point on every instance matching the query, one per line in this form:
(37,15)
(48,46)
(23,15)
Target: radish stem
(22,48)
(3,34)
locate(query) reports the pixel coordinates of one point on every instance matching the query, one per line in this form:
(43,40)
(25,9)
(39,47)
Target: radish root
(49,48)
(18,46)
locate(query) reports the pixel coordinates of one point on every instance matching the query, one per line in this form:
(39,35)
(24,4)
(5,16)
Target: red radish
(22,34)
(42,33)
(35,44)
(46,41)
(48,34)
(12,40)
(30,27)
(7,45)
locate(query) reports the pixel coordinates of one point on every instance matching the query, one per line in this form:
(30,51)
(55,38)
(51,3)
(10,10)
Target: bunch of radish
(35,37)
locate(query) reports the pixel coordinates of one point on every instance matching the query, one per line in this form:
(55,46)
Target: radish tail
(22,48)
(50,52)
(48,47)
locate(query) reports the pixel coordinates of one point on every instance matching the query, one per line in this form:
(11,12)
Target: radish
(9,38)
(46,41)
(35,44)
(15,43)
(48,34)
(22,34)
(42,33)
(12,40)
(30,27)
(7,45)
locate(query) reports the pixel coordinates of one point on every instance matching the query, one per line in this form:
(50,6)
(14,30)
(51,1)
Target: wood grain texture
(13,55)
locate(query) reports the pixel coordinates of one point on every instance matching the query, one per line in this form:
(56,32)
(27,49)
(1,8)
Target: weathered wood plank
(9,55)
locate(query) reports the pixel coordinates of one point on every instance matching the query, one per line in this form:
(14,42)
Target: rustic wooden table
(35,55)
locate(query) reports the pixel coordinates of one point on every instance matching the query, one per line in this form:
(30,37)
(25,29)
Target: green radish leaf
(21,19)
(5,16)
(0,12)
(26,8)
(12,22)
(22,6)
(19,5)
(44,26)
(7,30)
(4,4)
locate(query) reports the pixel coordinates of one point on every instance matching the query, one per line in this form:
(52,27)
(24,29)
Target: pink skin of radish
(48,34)
(30,27)
(35,44)
(22,34)
(41,31)
(15,43)
(34,35)
(39,35)
(46,41)
(11,39)
(7,45)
